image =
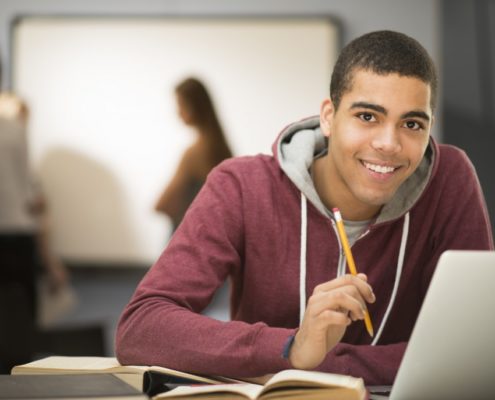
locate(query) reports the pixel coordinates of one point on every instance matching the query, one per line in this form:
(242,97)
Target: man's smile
(379,168)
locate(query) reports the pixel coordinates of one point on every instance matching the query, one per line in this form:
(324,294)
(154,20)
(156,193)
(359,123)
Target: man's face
(377,139)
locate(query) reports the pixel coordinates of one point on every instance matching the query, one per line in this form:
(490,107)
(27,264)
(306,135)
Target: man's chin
(376,200)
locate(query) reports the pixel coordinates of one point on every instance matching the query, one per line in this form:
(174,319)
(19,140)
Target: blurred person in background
(24,239)
(196,110)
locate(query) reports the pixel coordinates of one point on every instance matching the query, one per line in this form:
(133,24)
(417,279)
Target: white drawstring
(398,273)
(302,260)
(302,268)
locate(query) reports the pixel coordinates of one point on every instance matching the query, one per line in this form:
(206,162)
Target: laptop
(451,353)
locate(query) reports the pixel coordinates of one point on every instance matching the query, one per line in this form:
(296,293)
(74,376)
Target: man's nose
(387,140)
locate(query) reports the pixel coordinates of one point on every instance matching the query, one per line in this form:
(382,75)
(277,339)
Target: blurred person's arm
(56,271)
(171,201)
(53,267)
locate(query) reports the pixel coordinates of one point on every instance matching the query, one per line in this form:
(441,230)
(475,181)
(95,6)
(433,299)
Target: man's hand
(331,308)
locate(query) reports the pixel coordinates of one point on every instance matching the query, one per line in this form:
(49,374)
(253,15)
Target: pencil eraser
(335,209)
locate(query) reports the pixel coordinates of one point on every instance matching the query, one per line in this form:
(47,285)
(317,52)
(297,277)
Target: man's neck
(332,196)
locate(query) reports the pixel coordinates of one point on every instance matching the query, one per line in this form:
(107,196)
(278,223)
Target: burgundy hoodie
(258,221)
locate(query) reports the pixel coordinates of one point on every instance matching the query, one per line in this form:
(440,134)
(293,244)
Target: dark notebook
(86,386)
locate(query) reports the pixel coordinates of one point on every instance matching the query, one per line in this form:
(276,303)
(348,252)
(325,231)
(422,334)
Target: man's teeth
(382,169)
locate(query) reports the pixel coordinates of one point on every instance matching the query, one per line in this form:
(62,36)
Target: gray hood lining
(301,142)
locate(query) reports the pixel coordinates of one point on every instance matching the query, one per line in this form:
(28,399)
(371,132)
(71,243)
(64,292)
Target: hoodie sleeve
(462,216)
(162,324)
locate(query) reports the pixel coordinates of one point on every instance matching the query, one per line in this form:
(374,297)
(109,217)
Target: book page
(314,377)
(298,380)
(70,363)
(101,364)
(230,391)
(313,393)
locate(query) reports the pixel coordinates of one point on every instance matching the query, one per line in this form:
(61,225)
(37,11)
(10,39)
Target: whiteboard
(104,135)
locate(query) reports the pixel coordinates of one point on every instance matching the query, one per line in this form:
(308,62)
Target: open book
(149,379)
(164,383)
(288,384)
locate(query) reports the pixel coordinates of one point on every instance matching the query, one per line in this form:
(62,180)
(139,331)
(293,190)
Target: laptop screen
(451,353)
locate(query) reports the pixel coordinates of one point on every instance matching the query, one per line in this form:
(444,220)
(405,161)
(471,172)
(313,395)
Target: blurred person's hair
(382,52)
(199,105)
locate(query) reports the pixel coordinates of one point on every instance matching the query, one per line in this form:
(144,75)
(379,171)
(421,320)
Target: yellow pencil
(350,260)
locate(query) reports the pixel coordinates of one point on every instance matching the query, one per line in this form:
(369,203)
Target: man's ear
(326,116)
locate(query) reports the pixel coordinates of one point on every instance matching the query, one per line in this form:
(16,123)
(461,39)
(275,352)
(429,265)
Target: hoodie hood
(299,143)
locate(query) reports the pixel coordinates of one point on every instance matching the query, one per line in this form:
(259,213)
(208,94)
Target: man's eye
(413,125)
(367,117)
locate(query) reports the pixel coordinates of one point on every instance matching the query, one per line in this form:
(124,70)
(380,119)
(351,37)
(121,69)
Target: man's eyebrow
(382,110)
(371,106)
(416,114)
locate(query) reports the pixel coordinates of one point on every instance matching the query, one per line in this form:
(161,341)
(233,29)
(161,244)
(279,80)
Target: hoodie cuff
(287,346)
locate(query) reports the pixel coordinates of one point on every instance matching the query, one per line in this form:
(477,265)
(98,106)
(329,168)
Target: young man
(266,222)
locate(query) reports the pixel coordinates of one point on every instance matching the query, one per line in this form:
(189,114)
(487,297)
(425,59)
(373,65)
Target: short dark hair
(383,52)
